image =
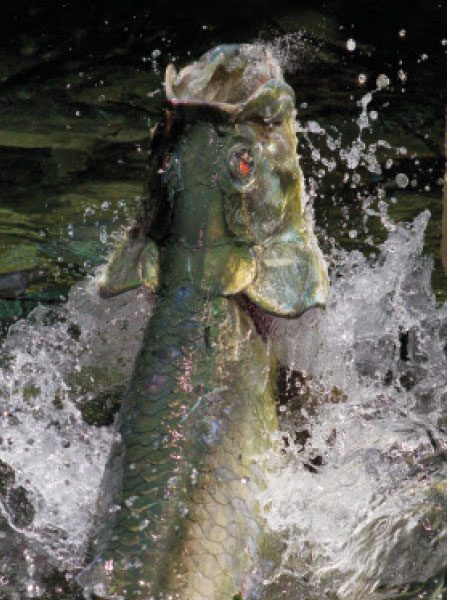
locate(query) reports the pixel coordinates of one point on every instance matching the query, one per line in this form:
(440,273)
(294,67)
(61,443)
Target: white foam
(358,522)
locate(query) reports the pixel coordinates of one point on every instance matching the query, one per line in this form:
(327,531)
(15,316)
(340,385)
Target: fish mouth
(266,322)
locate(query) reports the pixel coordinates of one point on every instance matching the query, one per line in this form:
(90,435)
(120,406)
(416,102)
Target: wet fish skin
(188,465)
(178,513)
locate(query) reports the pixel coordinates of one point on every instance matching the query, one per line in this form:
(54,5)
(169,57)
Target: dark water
(81,87)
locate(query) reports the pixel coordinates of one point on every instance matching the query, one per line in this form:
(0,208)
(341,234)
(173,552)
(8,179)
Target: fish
(225,240)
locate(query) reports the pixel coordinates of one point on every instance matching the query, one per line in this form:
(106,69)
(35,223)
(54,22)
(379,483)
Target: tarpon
(225,240)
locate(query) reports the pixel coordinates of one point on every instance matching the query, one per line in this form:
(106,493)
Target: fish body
(223,238)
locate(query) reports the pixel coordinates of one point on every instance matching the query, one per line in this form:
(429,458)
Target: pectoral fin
(133,262)
(291,277)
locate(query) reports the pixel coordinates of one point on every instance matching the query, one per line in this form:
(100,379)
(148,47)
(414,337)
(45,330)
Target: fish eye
(241,165)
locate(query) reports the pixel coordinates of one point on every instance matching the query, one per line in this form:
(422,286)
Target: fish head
(226,204)
(243,171)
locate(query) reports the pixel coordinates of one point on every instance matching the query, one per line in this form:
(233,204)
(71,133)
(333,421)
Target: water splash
(357,499)
(359,495)
(55,366)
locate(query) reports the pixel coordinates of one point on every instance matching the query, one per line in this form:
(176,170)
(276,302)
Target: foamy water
(372,511)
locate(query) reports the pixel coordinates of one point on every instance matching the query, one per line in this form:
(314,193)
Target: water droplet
(373,114)
(104,239)
(444,42)
(382,81)
(304,105)
(362,78)
(106,205)
(156,53)
(102,98)
(77,113)
(402,32)
(402,75)
(401,180)
(89,212)
(351,45)
(352,233)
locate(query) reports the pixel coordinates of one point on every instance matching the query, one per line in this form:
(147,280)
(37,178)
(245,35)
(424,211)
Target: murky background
(357,496)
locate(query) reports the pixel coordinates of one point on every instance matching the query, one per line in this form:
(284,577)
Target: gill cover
(225,189)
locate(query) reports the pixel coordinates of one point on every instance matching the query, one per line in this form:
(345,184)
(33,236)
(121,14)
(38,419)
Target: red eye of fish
(241,165)
(244,165)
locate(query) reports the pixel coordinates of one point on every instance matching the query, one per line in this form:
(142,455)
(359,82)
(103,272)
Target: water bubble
(401,180)
(77,113)
(444,42)
(382,81)
(102,98)
(304,105)
(106,205)
(352,234)
(362,78)
(373,115)
(156,53)
(89,211)
(402,75)
(402,32)
(351,45)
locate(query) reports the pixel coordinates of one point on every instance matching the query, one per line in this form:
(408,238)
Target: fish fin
(133,262)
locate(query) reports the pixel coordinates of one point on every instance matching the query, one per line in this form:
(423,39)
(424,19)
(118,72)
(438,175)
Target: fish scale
(186,492)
